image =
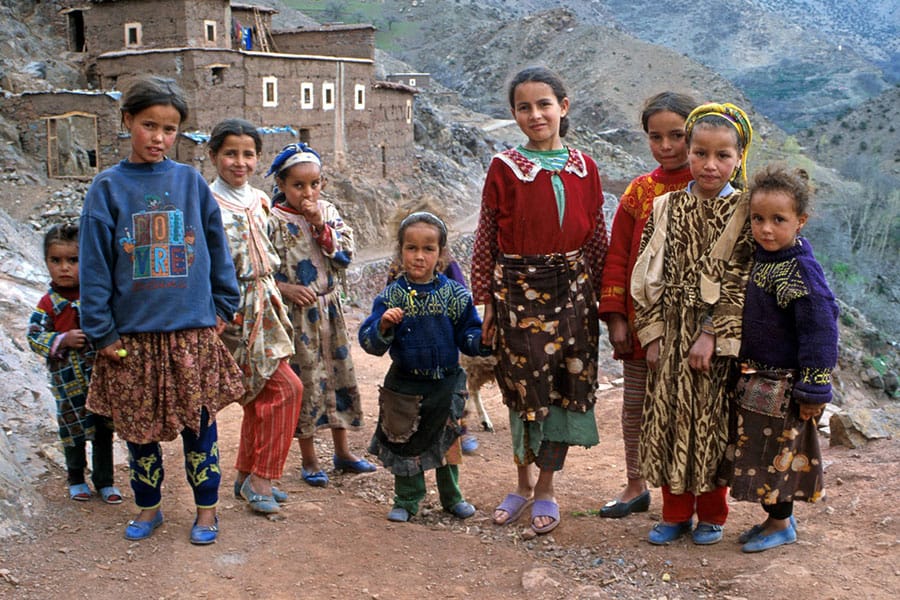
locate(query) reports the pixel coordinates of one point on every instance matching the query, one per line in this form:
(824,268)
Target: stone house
(315,84)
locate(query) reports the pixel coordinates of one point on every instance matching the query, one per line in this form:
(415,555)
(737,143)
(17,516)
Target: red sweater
(519,216)
(634,209)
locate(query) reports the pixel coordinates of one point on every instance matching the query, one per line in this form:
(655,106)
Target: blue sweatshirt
(153,256)
(439,321)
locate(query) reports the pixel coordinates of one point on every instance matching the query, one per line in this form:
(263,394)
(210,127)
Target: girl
(54,333)
(790,347)
(687,318)
(315,246)
(425,320)
(538,255)
(662,118)
(159,287)
(260,336)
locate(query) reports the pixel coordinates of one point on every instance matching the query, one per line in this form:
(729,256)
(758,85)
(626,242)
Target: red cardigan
(634,209)
(519,216)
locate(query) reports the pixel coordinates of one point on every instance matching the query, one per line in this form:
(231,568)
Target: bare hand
(700,356)
(653,355)
(220,325)
(112,353)
(619,333)
(74,338)
(488,326)
(810,411)
(298,294)
(390,318)
(310,211)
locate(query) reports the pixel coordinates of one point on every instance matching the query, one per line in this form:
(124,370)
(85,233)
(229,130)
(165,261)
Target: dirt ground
(335,542)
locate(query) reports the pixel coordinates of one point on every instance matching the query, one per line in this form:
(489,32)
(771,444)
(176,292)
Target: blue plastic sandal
(754,531)
(80,492)
(398,515)
(315,479)
(462,510)
(469,444)
(141,530)
(707,533)
(111,494)
(766,542)
(201,535)
(663,533)
(280,497)
(258,502)
(352,466)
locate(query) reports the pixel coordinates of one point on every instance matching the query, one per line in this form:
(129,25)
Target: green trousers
(409,491)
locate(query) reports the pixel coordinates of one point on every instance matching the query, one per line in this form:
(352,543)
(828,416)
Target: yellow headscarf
(740,122)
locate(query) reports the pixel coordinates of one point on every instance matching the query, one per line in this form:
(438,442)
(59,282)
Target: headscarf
(294,154)
(737,118)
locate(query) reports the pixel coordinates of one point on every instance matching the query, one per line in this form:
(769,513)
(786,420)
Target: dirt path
(335,542)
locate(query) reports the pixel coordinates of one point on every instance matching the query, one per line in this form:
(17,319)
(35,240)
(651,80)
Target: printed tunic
(685,416)
(260,336)
(321,341)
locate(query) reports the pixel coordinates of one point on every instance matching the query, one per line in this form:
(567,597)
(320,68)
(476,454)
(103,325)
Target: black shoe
(617,510)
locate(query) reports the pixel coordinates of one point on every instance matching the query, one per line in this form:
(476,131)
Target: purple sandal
(545,508)
(513,505)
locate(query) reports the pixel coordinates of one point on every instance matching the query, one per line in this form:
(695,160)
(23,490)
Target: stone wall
(348,41)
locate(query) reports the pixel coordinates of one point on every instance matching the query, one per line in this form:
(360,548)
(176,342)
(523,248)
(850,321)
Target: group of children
(194,296)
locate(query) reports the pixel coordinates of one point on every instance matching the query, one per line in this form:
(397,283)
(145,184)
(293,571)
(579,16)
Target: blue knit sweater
(439,321)
(790,319)
(152,253)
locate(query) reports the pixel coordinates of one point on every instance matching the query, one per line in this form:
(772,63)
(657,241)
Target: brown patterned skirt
(548,333)
(772,455)
(160,387)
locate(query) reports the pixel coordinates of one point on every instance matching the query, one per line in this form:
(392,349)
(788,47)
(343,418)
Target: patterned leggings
(201,464)
(635,372)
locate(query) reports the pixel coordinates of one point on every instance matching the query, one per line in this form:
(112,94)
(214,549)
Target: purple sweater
(790,319)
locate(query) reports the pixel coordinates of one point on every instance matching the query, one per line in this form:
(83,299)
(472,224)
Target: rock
(891,383)
(539,580)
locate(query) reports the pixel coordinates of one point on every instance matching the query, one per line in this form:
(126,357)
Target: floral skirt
(160,387)
(548,332)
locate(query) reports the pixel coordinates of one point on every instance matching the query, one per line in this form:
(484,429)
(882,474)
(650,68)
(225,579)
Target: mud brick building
(315,84)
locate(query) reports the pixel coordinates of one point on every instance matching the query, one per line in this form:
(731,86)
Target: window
(305,136)
(270,91)
(327,96)
(72,145)
(359,97)
(132,35)
(76,31)
(409,111)
(306,95)
(210,29)
(217,74)
(412,82)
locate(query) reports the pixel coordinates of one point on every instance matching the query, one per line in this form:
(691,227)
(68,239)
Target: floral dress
(321,342)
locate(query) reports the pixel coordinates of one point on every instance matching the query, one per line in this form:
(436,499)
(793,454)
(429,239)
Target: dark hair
(778,178)
(63,233)
(152,90)
(422,217)
(680,104)
(236,127)
(541,75)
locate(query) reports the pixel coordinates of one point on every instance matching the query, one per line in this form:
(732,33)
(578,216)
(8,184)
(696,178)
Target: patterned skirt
(159,389)
(772,455)
(548,333)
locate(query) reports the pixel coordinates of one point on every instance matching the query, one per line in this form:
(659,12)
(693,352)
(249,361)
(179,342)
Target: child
(662,118)
(537,259)
(425,320)
(790,347)
(315,246)
(53,332)
(260,337)
(687,318)
(158,286)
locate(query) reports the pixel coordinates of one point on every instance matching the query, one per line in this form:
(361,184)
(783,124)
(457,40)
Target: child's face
(236,160)
(713,156)
(774,219)
(420,251)
(153,131)
(668,142)
(537,113)
(302,185)
(62,263)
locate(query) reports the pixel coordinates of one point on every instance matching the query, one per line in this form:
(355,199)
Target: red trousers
(711,507)
(267,428)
